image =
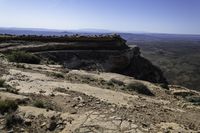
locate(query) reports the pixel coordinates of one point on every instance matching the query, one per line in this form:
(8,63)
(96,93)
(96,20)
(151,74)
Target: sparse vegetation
(139,88)
(118,82)
(66,38)
(20,66)
(13,119)
(110,83)
(194,99)
(164,86)
(56,75)
(2,82)
(7,106)
(23,57)
(39,104)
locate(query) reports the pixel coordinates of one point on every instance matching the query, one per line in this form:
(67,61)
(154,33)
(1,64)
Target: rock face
(143,69)
(106,54)
(127,61)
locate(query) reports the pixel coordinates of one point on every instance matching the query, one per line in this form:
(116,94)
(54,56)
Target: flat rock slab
(173,128)
(11,96)
(184,93)
(99,122)
(2,89)
(34,111)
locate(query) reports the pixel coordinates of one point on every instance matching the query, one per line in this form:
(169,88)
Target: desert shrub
(57,75)
(13,119)
(8,87)
(139,88)
(115,81)
(110,83)
(7,106)
(23,57)
(51,62)
(193,99)
(164,86)
(20,66)
(39,104)
(88,78)
(2,82)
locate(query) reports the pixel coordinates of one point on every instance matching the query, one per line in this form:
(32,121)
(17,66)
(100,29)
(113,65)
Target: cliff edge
(103,53)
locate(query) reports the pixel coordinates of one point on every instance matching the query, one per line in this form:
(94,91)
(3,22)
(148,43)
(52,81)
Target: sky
(154,16)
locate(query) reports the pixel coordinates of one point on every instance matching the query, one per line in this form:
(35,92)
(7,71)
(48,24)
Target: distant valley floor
(180,60)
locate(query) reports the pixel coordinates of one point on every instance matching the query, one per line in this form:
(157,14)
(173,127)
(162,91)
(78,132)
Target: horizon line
(81,30)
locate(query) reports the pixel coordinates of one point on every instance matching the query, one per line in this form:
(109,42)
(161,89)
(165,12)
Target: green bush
(2,82)
(23,57)
(139,88)
(7,106)
(39,104)
(164,86)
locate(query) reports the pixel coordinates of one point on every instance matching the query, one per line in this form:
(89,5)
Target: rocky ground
(52,99)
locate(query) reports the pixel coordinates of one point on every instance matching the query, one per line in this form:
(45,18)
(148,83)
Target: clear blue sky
(160,16)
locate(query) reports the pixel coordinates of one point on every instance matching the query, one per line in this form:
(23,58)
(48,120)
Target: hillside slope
(82,101)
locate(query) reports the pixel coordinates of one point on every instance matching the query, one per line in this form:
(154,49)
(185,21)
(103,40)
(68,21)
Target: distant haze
(130,37)
(154,16)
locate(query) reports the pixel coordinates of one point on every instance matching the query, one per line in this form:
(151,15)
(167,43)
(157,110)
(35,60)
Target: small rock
(52,94)
(81,105)
(69,120)
(1,127)
(61,127)
(3,89)
(68,101)
(129,120)
(79,99)
(42,91)
(73,111)
(22,130)
(144,125)
(30,116)
(60,121)
(43,124)
(11,131)
(53,117)
(74,105)
(27,122)
(52,126)
(98,102)
(112,110)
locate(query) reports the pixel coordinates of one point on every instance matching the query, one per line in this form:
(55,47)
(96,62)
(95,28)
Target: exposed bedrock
(109,54)
(128,62)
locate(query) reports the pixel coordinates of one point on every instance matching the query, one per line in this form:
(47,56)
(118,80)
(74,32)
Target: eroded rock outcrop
(128,62)
(108,54)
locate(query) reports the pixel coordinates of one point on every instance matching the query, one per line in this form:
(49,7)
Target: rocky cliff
(107,55)
(128,62)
